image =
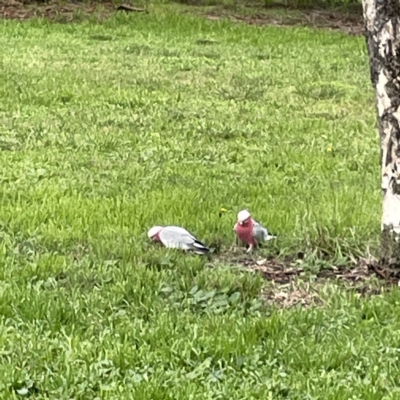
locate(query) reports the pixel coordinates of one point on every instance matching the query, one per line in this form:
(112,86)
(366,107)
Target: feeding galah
(177,238)
(250,231)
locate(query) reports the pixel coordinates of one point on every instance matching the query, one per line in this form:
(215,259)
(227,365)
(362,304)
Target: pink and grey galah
(176,237)
(250,231)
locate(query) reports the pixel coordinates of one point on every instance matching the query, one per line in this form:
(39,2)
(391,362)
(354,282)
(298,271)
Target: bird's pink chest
(245,233)
(157,237)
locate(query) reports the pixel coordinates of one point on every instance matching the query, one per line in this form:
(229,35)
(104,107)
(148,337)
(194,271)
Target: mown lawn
(107,129)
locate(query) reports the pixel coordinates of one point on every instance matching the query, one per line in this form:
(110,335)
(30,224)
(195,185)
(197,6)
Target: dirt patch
(283,272)
(74,11)
(350,23)
(288,284)
(58,12)
(292,294)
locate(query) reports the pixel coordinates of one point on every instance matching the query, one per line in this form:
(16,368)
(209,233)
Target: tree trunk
(382,29)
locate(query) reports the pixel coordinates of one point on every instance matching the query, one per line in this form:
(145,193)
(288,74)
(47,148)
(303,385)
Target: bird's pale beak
(240,222)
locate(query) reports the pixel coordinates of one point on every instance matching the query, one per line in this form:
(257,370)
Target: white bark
(382,28)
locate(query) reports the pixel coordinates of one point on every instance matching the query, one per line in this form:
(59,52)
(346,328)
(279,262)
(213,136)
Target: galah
(177,238)
(250,231)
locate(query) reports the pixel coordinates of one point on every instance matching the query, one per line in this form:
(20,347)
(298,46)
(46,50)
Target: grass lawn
(106,130)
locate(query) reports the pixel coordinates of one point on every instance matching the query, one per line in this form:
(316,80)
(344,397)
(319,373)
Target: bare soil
(350,22)
(289,284)
(54,10)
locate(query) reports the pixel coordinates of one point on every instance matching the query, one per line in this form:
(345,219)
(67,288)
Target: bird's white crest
(243,215)
(153,231)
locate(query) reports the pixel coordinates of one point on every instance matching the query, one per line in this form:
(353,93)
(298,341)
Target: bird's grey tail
(200,248)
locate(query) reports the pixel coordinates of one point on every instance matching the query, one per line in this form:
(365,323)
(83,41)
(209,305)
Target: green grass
(109,129)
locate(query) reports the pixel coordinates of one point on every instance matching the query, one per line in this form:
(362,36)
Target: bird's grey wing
(176,237)
(260,232)
(179,238)
(181,231)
